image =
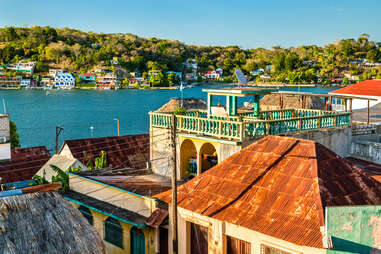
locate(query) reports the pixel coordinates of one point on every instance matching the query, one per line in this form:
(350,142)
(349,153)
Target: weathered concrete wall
(338,140)
(354,229)
(366,150)
(161,151)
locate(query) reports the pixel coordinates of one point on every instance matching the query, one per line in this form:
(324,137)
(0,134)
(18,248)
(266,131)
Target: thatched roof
(188,104)
(271,102)
(45,223)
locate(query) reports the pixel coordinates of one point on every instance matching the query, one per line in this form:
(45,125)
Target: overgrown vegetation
(78,51)
(14,136)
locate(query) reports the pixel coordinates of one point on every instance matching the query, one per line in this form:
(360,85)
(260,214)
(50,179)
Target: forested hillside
(78,51)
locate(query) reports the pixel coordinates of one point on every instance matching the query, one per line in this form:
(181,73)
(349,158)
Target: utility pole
(58,132)
(174,188)
(117,124)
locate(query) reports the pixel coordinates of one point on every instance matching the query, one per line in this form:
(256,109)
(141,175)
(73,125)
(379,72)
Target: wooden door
(198,239)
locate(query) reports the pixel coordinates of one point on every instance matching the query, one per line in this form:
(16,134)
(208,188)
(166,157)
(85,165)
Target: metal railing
(245,126)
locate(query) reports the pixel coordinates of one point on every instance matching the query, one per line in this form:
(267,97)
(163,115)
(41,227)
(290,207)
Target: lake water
(37,114)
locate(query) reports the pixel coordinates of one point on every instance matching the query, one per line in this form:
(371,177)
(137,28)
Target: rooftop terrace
(233,123)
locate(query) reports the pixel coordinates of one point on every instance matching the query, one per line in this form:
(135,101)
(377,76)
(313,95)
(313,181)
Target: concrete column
(210,103)
(234,105)
(199,162)
(256,105)
(228,105)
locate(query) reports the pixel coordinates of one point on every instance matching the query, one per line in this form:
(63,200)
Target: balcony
(246,126)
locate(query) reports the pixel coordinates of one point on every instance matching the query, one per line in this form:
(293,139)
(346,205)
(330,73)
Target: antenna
(240,76)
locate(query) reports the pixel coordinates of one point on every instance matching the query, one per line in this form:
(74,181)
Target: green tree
(14,136)
(173,79)
(346,81)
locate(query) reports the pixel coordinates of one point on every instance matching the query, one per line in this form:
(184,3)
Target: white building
(26,68)
(54,72)
(368,89)
(25,82)
(64,80)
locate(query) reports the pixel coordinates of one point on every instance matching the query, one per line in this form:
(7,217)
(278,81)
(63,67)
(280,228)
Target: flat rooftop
(239,91)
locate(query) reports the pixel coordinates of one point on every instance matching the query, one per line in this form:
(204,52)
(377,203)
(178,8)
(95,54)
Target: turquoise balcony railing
(246,126)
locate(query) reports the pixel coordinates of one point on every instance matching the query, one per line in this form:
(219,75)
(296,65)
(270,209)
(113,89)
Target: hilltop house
(25,82)
(272,197)
(54,72)
(216,74)
(26,68)
(64,80)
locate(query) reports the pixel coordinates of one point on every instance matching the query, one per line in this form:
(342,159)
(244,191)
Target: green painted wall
(354,229)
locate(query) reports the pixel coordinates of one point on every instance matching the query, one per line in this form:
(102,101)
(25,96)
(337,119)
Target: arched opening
(87,214)
(208,156)
(114,232)
(188,159)
(137,241)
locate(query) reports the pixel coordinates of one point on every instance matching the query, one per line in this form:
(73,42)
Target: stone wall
(366,150)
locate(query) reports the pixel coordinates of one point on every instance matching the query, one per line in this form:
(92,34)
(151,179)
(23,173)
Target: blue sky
(245,23)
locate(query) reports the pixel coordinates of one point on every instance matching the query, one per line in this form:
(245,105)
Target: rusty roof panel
(278,186)
(24,164)
(157,218)
(131,151)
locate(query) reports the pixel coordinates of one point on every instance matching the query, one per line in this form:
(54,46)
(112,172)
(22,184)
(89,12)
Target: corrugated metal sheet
(278,186)
(367,88)
(157,218)
(24,164)
(131,151)
(373,169)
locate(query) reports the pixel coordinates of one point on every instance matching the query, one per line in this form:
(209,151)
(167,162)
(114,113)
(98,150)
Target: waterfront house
(88,77)
(54,72)
(108,81)
(25,82)
(9,82)
(363,91)
(36,219)
(26,68)
(178,74)
(213,75)
(64,80)
(272,197)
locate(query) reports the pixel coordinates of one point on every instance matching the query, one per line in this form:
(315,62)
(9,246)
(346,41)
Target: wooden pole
(350,105)
(58,132)
(117,125)
(367,122)
(174,188)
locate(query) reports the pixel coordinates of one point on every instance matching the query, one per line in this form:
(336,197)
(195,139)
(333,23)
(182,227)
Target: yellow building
(120,215)
(270,198)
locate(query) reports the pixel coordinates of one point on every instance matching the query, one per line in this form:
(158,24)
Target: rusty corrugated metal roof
(157,218)
(278,186)
(24,164)
(131,151)
(371,168)
(366,88)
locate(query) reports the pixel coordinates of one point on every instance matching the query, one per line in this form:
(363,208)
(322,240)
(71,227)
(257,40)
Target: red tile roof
(131,151)
(278,186)
(87,74)
(366,88)
(24,164)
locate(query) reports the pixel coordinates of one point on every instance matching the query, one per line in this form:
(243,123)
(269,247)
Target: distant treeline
(78,51)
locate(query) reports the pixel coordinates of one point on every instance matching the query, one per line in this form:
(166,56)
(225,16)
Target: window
(237,246)
(87,214)
(271,250)
(114,232)
(198,239)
